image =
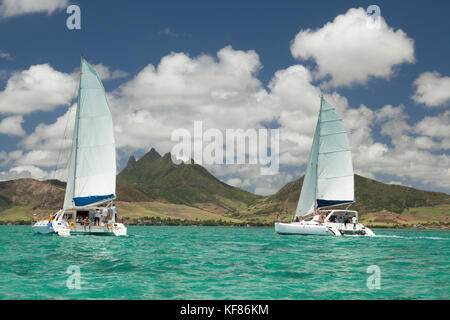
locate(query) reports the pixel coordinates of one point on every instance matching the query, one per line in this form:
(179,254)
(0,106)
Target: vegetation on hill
(370,196)
(31,193)
(378,204)
(158,178)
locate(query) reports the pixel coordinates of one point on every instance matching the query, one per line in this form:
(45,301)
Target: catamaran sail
(91,182)
(328,182)
(92,168)
(329,175)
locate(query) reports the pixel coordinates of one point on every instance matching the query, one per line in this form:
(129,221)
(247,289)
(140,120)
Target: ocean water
(224,263)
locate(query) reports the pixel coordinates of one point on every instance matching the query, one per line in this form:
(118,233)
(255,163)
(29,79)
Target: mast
(77,116)
(308,195)
(318,142)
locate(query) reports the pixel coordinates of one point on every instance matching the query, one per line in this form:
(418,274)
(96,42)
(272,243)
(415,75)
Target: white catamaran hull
(301,228)
(116,229)
(325,229)
(63,229)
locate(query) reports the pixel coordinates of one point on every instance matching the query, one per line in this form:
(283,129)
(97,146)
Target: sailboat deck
(97,230)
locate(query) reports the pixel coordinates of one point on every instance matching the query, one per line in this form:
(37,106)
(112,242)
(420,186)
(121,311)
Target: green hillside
(372,195)
(158,178)
(31,193)
(385,204)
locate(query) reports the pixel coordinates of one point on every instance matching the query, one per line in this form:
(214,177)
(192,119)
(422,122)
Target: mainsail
(92,167)
(329,177)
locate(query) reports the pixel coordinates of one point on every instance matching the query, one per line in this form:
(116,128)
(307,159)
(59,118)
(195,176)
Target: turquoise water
(224,263)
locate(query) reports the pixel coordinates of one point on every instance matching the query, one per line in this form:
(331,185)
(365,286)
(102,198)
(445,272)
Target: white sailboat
(88,204)
(328,182)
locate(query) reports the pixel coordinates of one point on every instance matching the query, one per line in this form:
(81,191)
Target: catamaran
(88,203)
(328,182)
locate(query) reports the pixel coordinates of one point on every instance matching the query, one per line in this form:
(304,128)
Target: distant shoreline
(252,225)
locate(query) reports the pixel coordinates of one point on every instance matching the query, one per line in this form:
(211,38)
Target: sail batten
(329,177)
(92,167)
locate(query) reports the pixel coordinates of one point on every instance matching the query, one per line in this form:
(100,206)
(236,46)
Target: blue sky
(127,37)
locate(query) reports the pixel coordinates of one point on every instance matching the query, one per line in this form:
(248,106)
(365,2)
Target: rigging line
(62,143)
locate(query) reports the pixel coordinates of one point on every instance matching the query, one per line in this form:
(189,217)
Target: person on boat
(114,212)
(49,224)
(97,217)
(322,218)
(35,219)
(100,217)
(105,215)
(87,223)
(78,220)
(346,220)
(318,215)
(109,214)
(354,221)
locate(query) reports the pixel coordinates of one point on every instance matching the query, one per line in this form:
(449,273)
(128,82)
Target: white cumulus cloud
(38,88)
(351,50)
(106,73)
(11,8)
(432,89)
(12,126)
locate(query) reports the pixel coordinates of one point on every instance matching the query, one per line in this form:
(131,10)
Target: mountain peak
(167,156)
(151,155)
(131,164)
